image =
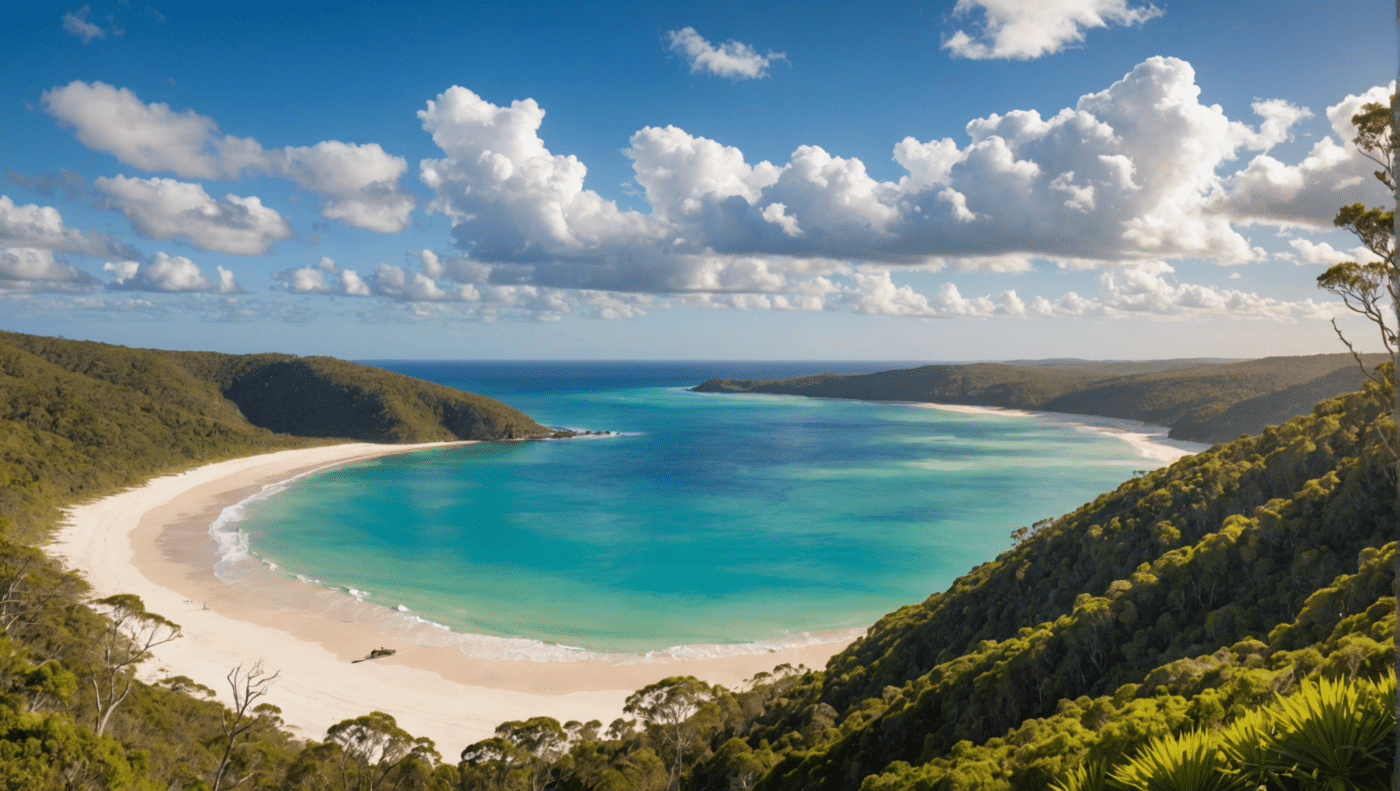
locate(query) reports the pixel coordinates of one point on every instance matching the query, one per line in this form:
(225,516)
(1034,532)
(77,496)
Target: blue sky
(990,179)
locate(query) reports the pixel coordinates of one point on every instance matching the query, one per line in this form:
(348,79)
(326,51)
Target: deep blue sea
(706,518)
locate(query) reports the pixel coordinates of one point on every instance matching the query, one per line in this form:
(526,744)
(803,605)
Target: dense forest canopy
(1198,613)
(81,419)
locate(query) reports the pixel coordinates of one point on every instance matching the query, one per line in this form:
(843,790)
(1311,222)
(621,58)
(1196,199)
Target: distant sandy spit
(1150,441)
(154,541)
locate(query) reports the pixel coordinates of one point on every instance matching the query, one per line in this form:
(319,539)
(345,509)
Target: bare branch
(247,686)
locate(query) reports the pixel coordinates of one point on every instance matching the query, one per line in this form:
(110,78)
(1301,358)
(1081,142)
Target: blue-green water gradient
(709,519)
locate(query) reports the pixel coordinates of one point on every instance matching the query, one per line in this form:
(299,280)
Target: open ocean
(709,519)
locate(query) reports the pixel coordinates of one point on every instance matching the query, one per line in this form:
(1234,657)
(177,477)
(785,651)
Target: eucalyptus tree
(669,706)
(1365,287)
(372,752)
(110,663)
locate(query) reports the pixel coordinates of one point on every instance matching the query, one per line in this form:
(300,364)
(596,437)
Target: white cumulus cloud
(1334,173)
(165,208)
(42,227)
(28,270)
(1026,29)
(168,273)
(359,183)
(509,197)
(1309,252)
(1148,289)
(323,278)
(732,59)
(1126,174)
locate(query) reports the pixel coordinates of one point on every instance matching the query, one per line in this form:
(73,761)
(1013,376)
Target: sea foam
(241,567)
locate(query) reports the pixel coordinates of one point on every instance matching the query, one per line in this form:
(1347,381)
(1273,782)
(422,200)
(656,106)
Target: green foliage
(1330,734)
(80,420)
(326,397)
(1204,400)
(1092,776)
(1218,617)
(1336,735)
(1190,762)
(365,753)
(676,711)
(41,752)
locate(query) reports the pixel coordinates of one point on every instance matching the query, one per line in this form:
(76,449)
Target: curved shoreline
(240,567)
(154,541)
(1151,441)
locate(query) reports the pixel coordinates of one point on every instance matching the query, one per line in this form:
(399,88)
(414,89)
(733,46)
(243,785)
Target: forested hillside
(79,419)
(1212,604)
(1177,604)
(1200,400)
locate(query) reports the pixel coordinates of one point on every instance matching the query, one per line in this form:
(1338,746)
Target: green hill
(1202,587)
(1188,600)
(1201,400)
(80,419)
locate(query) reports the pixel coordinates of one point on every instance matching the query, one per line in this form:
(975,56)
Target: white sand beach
(154,541)
(1150,441)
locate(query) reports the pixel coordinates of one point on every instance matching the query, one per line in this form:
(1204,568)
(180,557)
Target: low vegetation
(1200,400)
(1211,622)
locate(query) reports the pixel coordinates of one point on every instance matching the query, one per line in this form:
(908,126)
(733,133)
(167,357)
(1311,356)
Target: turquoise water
(708,519)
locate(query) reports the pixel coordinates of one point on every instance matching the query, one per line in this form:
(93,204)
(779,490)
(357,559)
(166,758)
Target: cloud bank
(42,227)
(26,270)
(1125,180)
(1128,174)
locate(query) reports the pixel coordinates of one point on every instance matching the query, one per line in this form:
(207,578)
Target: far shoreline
(1151,441)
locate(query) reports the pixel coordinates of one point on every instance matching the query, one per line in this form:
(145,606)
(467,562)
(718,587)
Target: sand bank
(1150,441)
(154,541)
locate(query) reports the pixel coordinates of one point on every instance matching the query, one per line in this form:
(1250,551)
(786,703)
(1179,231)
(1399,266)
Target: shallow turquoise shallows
(708,519)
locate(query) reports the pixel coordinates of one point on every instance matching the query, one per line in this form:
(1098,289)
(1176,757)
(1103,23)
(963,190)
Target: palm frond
(1190,762)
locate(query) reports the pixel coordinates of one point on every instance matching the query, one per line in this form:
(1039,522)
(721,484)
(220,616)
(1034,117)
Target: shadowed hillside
(326,397)
(1200,400)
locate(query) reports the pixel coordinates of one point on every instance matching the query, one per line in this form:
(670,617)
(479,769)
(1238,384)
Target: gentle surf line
(241,567)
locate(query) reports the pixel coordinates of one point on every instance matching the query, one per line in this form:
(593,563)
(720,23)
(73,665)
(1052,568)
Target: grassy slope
(1191,397)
